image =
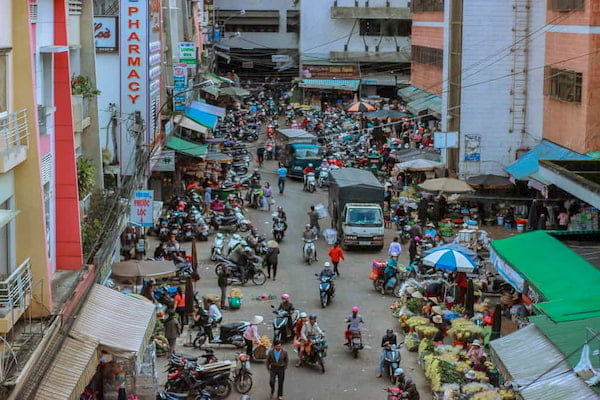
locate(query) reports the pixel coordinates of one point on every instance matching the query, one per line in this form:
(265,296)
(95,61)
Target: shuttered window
(564,85)
(567,5)
(427,55)
(426,5)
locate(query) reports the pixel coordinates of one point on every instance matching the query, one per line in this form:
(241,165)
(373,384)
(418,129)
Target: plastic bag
(271,200)
(321,211)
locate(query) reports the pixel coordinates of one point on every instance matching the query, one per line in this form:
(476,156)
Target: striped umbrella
(450,260)
(360,107)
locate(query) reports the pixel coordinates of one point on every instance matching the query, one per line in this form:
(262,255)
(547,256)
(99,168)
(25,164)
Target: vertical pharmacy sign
(134,58)
(141,208)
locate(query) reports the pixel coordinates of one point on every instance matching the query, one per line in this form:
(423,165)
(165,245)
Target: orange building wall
(426,77)
(427,36)
(589,16)
(569,124)
(432,16)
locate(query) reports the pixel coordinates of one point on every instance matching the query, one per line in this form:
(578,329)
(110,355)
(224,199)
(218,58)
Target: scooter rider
(281,214)
(328,272)
(307,170)
(387,340)
(407,385)
(308,235)
(309,329)
(354,320)
(287,306)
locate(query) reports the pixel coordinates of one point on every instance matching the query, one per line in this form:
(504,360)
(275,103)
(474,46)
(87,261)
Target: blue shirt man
(281,173)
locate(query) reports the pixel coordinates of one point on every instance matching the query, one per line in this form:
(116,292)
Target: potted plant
(83,86)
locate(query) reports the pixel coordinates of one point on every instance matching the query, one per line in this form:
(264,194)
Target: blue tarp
(203,118)
(527,165)
(207,108)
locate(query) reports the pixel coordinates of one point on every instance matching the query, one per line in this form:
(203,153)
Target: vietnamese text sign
(105,34)
(141,208)
(187,53)
(179,86)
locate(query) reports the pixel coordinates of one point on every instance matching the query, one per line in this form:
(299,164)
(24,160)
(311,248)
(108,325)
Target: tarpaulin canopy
(143,269)
(419,164)
(235,91)
(207,108)
(448,185)
(554,271)
(530,360)
(121,323)
(219,157)
(527,165)
(72,370)
(411,93)
(187,147)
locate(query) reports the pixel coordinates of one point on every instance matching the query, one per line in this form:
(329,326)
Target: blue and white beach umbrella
(450,260)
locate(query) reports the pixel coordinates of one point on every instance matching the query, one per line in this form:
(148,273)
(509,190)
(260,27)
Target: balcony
(374,9)
(15,296)
(14,140)
(81,116)
(370,56)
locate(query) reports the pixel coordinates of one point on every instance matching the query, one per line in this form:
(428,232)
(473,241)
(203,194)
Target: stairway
(519,70)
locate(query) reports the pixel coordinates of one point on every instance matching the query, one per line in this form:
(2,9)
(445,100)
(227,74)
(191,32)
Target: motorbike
(217,246)
(269,150)
(391,361)
(236,220)
(242,377)
(240,167)
(179,361)
(393,285)
(234,241)
(355,343)
(282,326)
(184,269)
(405,235)
(323,177)
(278,228)
(228,334)
(252,271)
(309,252)
(326,290)
(310,183)
(212,378)
(395,393)
(204,395)
(317,353)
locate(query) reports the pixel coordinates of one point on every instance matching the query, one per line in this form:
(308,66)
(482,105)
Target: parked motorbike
(217,246)
(309,252)
(242,377)
(391,360)
(204,395)
(236,220)
(395,393)
(282,326)
(326,290)
(278,228)
(179,361)
(228,334)
(213,378)
(317,353)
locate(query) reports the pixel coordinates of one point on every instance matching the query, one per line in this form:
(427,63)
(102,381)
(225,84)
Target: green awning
(332,84)
(185,146)
(212,89)
(567,282)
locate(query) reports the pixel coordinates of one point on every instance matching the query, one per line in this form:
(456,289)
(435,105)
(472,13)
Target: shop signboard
(507,271)
(105,34)
(280,58)
(330,71)
(472,148)
(166,162)
(141,212)
(179,86)
(187,53)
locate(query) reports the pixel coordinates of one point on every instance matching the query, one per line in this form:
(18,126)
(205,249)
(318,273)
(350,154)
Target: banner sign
(472,147)
(141,208)
(179,86)
(187,53)
(105,34)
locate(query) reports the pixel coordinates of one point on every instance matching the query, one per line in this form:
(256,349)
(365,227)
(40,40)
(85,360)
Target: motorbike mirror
(316,274)
(272,306)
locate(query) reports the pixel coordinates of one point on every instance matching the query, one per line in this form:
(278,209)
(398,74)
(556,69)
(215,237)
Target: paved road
(345,377)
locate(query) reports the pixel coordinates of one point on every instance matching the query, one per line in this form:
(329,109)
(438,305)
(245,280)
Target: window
(3,81)
(426,5)
(428,55)
(248,21)
(561,84)
(385,27)
(292,21)
(567,5)
(6,245)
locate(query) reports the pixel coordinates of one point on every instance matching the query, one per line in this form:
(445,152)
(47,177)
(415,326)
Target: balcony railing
(81,113)
(14,139)
(374,9)
(15,290)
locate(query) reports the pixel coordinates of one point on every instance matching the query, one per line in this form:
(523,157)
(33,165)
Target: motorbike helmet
(398,372)
(310,165)
(417,238)
(307,226)
(312,317)
(354,309)
(303,315)
(389,330)
(327,265)
(285,296)
(279,208)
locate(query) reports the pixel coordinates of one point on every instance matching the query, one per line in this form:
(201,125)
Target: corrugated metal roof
(339,84)
(121,323)
(73,368)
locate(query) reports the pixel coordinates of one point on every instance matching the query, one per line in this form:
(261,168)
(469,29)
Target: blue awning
(207,108)
(527,165)
(335,84)
(203,118)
